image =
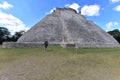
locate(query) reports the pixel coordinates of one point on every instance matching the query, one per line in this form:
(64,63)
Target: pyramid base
(64,45)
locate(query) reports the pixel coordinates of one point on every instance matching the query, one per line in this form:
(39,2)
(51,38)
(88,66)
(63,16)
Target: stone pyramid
(65,26)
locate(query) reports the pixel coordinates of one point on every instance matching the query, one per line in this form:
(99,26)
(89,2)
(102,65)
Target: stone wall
(25,44)
(88,45)
(64,45)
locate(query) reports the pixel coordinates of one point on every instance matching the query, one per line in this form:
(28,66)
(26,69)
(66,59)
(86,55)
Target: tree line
(116,34)
(5,35)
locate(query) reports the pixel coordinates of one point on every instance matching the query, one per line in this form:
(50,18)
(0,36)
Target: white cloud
(91,10)
(12,23)
(111,25)
(114,1)
(74,6)
(5,5)
(9,21)
(117,8)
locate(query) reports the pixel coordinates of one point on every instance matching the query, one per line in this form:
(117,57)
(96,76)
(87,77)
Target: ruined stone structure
(66,27)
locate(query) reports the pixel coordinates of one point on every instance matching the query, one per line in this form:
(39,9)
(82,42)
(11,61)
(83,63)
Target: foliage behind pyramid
(65,25)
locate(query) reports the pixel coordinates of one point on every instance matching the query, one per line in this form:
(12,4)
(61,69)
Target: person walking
(46,45)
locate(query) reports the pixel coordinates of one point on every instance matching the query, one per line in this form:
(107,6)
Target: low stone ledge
(65,45)
(25,44)
(68,45)
(20,45)
(87,45)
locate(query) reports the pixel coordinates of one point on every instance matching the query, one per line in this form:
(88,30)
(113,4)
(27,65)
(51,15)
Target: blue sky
(19,15)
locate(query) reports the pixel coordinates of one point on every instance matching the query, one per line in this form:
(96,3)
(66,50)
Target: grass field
(60,64)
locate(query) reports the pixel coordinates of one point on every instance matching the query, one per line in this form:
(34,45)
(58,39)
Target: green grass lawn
(60,64)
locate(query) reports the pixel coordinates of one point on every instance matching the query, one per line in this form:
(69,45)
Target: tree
(116,34)
(17,35)
(4,34)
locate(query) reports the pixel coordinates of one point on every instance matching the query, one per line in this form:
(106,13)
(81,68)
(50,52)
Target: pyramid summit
(66,26)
